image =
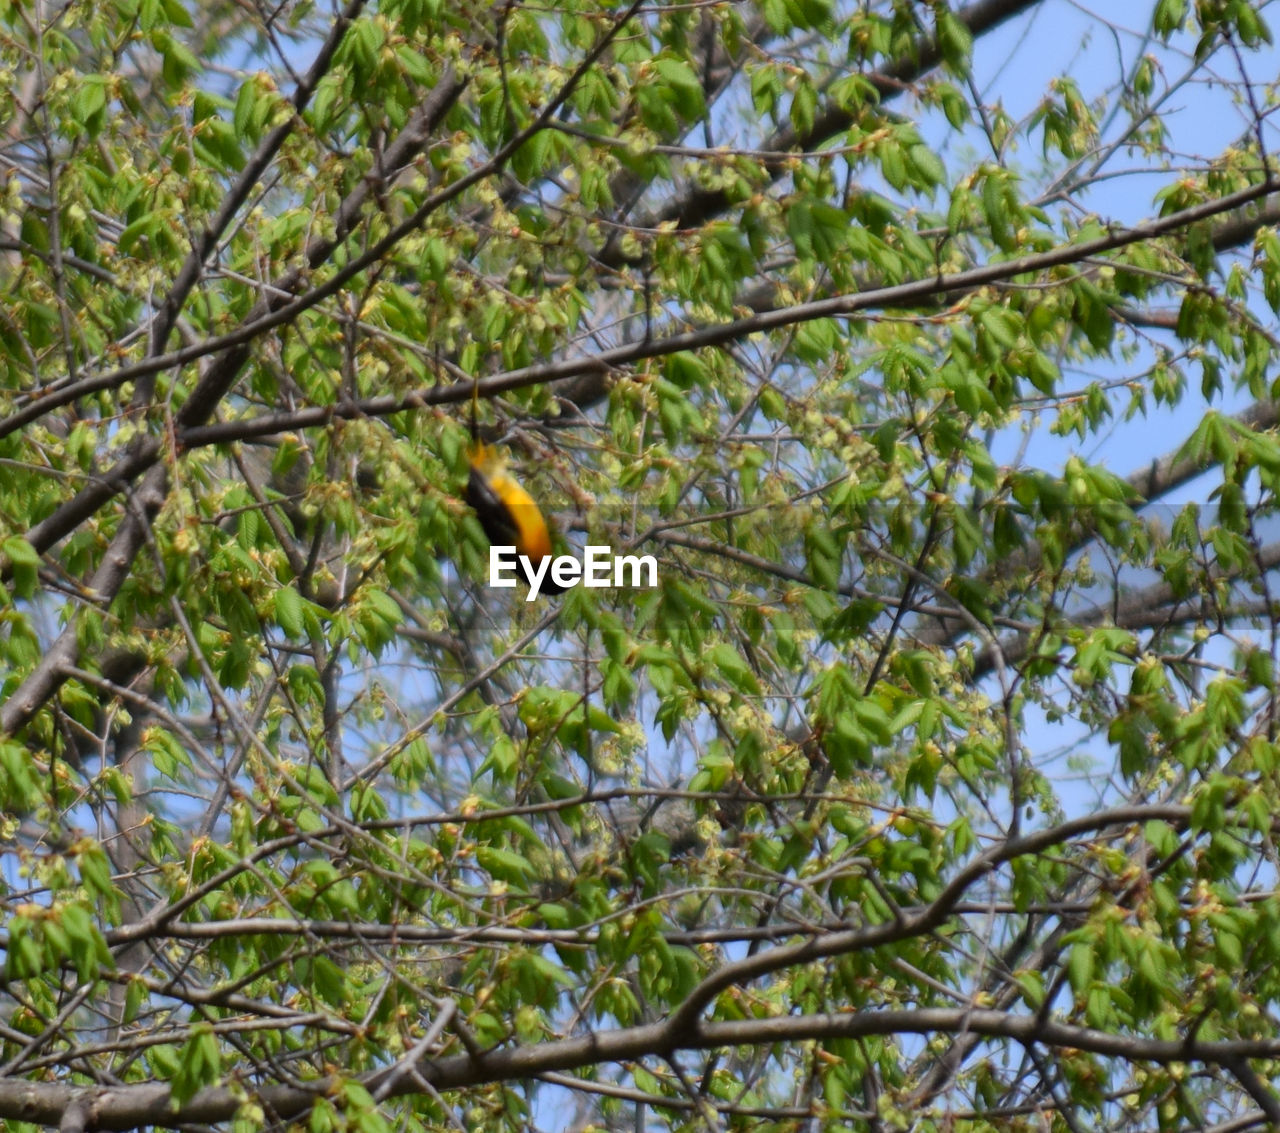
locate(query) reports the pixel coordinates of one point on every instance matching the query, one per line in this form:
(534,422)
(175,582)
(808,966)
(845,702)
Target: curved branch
(907,923)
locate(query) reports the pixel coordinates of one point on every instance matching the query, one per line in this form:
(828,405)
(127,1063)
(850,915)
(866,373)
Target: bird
(508,514)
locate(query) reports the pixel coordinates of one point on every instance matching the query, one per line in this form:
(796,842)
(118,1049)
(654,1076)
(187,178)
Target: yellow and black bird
(508,514)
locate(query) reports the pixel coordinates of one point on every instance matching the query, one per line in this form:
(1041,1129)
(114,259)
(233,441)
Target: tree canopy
(930,351)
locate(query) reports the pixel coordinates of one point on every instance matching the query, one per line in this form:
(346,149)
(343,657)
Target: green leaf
(683,86)
(288,611)
(1080,967)
(505,865)
(732,668)
(24,565)
(199,1064)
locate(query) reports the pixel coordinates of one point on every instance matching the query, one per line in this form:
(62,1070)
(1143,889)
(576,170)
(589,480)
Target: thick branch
(128,1107)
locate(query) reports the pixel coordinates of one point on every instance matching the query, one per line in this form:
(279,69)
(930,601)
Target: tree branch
(897,296)
(131,1106)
